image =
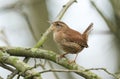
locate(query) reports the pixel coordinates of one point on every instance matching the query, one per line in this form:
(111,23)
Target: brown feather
(68,39)
(75,37)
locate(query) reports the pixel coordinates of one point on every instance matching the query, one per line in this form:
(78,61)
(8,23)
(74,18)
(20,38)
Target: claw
(60,57)
(73,61)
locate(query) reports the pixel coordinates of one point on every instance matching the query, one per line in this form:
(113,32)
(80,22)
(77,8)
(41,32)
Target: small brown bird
(69,40)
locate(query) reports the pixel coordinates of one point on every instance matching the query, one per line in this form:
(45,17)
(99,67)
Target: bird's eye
(58,26)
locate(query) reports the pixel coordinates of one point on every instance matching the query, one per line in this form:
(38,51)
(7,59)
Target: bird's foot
(71,61)
(59,57)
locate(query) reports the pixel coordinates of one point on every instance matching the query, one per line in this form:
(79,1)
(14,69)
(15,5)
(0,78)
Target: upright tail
(87,31)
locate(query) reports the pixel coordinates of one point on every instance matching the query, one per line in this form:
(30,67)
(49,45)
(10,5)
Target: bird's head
(59,25)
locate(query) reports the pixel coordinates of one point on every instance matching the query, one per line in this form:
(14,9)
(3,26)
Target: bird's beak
(49,22)
(52,26)
(86,46)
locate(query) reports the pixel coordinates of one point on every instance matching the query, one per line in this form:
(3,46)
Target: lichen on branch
(53,56)
(19,65)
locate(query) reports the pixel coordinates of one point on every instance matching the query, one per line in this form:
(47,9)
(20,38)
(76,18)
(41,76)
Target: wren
(69,40)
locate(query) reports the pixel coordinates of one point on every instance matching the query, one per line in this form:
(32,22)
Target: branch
(6,67)
(65,7)
(10,76)
(4,37)
(105,70)
(15,72)
(44,36)
(59,16)
(19,65)
(50,55)
(77,71)
(1,77)
(58,70)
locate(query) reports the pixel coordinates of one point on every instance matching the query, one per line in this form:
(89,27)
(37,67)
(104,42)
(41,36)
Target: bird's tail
(87,31)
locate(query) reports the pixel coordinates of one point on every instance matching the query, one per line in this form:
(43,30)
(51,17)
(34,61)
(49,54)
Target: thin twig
(65,7)
(6,67)
(12,75)
(63,70)
(42,63)
(105,70)
(55,74)
(58,70)
(18,77)
(4,37)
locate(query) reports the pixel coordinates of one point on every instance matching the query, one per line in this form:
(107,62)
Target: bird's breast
(57,37)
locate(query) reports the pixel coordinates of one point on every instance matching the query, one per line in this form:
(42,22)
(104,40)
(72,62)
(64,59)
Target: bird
(70,40)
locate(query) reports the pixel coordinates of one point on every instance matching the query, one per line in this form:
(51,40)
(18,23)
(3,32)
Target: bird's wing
(75,37)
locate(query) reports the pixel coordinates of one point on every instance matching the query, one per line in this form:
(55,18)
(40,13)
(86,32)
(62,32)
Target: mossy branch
(19,65)
(50,55)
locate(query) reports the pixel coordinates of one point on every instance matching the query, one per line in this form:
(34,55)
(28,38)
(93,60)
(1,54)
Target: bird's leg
(75,57)
(63,55)
(73,61)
